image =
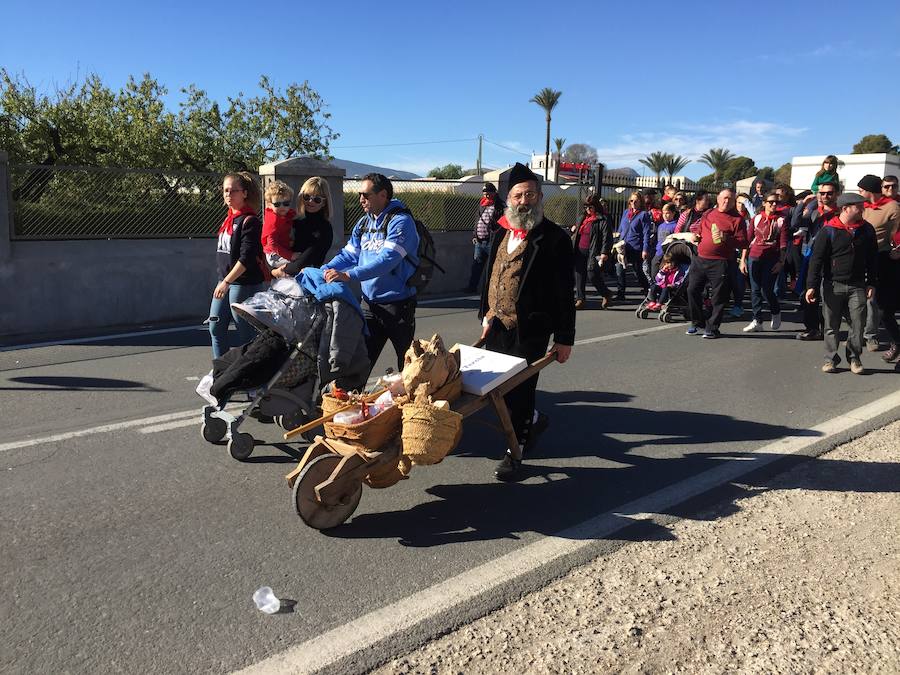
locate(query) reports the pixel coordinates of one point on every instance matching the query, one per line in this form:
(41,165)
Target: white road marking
(99,338)
(401,616)
(192,415)
(630,333)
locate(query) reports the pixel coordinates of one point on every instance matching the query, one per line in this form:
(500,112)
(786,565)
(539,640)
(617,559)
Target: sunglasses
(280,204)
(888,186)
(316,199)
(826,193)
(773,203)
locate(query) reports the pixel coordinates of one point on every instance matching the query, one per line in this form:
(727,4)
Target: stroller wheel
(213,430)
(665,316)
(241,446)
(292,421)
(642,312)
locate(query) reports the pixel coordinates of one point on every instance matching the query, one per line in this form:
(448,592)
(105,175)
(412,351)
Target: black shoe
(509,470)
(532,432)
(809,336)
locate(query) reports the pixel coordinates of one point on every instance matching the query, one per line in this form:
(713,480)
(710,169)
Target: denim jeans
(762,282)
(221,316)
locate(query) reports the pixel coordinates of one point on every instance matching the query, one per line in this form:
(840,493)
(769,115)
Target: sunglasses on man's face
(315,199)
(827,193)
(888,186)
(772,202)
(280,204)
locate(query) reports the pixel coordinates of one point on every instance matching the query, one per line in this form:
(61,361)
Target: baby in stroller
(311,333)
(668,280)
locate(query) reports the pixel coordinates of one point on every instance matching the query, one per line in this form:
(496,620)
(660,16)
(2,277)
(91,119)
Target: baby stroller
(682,252)
(304,342)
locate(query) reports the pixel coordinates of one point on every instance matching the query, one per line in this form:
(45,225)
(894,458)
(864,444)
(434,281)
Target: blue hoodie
(635,231)
(381,262)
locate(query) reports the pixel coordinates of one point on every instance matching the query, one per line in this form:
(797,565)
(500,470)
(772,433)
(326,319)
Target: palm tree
(675,164)
(559,143)
(716,159)
(546,98)
(656,162)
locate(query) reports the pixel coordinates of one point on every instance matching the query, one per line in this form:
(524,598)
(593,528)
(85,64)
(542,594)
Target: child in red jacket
(278,220)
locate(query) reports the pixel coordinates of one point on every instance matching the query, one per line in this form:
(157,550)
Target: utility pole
(478,161)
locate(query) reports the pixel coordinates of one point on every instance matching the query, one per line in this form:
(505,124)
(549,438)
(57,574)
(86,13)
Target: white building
(850,168)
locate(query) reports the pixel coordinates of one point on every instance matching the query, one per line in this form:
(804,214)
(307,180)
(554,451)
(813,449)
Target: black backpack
(425,252)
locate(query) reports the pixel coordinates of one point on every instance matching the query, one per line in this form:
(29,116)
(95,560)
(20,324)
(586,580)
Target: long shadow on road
(639,452)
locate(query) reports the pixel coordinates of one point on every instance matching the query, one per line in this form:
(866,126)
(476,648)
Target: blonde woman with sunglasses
(312,234)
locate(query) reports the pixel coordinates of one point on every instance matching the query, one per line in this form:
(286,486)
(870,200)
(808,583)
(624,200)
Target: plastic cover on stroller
(283,308)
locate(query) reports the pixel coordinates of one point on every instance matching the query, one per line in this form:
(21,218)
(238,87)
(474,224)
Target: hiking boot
(776,322)
(509,470)
(753,327)
(856,367)
(829,367)
(892,353)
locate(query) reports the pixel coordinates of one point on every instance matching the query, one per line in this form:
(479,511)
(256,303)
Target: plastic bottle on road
(266,601)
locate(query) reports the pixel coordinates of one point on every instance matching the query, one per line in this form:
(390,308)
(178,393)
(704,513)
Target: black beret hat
(521,173)
(870,183)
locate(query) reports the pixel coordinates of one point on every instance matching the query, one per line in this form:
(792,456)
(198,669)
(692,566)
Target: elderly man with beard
(527,298)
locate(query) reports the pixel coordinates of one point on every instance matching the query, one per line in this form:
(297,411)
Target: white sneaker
(753,327)
(776,321)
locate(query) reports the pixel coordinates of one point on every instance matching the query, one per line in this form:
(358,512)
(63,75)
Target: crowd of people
(838,254)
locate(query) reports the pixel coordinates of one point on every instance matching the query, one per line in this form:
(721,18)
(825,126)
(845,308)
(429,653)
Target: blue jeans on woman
(221,316)
(762,282)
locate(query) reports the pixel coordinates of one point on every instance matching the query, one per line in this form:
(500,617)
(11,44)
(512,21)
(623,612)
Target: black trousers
(812,314)
(520,400)
(632,257)
(585,272)
(394,321)
(714,273)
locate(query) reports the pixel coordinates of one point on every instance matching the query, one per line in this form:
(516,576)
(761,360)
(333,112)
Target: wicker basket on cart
(331,405)
(372,434)
(429,433)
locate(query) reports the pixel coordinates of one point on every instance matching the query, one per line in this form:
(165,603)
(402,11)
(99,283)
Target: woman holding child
(312,234)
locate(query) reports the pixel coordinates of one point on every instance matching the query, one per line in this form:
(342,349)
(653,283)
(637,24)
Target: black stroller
(683,253)
(302,345)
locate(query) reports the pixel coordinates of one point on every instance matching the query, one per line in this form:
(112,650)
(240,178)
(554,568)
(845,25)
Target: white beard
(524,217)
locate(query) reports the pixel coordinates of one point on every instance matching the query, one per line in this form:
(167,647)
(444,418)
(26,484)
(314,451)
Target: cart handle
(327,418)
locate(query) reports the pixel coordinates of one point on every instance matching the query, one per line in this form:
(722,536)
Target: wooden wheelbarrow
(327,483)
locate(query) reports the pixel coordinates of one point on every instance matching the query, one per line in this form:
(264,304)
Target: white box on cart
(483,370)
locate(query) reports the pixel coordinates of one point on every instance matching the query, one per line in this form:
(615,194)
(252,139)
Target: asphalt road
(129,544)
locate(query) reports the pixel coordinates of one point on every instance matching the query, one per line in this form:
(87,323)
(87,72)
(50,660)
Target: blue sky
(768,79)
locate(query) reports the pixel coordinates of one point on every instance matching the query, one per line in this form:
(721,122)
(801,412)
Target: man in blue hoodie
(381,256)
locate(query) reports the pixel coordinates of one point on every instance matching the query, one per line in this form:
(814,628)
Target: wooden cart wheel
(313,512)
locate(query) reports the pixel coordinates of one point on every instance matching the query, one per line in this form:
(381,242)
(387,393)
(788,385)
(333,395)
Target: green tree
(656,162)
(766,173)
(579,153)
(547,99)
(559,143)
(447,172)
(89,124)
(783,174)
(674,164)
(716,159)
(738,168)
(874,143)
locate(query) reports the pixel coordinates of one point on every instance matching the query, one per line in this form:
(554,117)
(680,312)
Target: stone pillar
(295,171)
(6,223)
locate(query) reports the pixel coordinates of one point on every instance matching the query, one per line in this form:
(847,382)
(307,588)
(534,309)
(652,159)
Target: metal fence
(62,202)
(452,205)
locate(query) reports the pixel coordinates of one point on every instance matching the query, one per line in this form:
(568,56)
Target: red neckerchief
(631,213)
(516,233)
(821,211)
(228,224)
(838,224)
(782,209)
(586,223)
(879,203)
(487,201)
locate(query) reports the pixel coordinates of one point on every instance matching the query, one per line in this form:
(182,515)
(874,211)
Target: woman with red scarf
(238,256)
(768,236)
(592,243)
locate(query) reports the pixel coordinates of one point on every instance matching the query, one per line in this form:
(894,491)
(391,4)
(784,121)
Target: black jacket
(312,239)
(601,240)
(246,248)
(845,257)
(545,304)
